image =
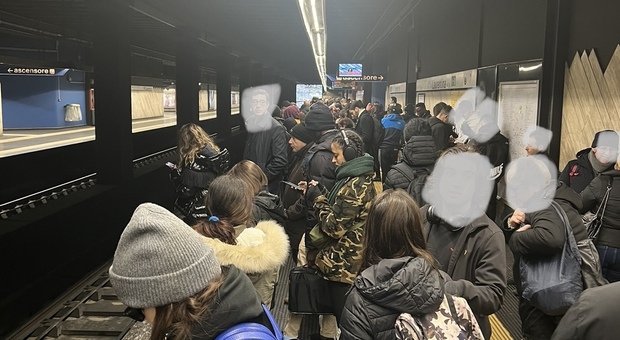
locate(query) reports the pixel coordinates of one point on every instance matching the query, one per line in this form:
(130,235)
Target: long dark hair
(394,230)
(231,201)
(175,320)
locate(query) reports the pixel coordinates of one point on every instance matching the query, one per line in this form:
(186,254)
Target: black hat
(606,138)
(319,118)
(286,103)
(289,123)
(302,133)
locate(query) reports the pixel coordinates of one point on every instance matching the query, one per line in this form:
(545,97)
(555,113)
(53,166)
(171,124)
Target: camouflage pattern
(341,260)
(441,324)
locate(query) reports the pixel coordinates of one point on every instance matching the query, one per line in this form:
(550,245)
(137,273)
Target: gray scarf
(596,164)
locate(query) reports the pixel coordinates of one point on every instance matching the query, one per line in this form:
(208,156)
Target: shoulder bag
(593,225)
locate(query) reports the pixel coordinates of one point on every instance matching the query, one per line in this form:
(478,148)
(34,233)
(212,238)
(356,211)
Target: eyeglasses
(259,102)
(134,313)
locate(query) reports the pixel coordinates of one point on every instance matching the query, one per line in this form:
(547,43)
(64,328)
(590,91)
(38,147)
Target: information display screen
(349,70)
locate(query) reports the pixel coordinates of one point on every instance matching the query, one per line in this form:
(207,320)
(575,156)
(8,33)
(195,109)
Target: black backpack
(416,178)
(378,132)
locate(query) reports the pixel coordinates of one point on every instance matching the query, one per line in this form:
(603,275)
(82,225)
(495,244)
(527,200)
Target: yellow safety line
(499,332)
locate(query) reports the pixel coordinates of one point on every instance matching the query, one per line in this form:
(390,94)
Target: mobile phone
(170,165)
(293,185)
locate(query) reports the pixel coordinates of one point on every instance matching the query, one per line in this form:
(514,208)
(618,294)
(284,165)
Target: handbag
(594,222)
(308,292)
(553,283)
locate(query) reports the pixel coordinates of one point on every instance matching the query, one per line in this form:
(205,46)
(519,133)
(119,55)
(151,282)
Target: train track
(89,310)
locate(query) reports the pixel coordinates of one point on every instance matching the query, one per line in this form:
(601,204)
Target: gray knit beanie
(160,260)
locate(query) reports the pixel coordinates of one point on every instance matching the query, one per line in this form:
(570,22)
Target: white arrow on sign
(10,70)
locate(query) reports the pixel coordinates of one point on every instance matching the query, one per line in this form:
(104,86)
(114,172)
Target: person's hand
(311,257)
(517,218)
(303,185)
(525,227)
(313,192)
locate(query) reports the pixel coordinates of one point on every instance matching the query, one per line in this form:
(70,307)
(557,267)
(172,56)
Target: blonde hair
(191,139)
(251,174)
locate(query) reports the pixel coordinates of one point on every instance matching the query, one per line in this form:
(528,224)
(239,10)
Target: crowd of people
(428,252)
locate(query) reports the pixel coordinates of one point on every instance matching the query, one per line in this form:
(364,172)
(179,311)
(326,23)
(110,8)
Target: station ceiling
(270,32)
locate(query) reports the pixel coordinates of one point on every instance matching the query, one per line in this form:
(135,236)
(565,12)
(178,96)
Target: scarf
(358,166)
(597,166)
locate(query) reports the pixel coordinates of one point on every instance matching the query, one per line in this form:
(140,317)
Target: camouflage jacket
(341,260)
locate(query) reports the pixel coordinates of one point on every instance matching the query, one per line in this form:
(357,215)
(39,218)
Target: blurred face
(457,183)
(530,148)
(443,117)
(296,144)
(338,158)
(606,154)
(259,104)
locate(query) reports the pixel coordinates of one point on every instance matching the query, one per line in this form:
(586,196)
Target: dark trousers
(388,158)
(338,295)
(610,262)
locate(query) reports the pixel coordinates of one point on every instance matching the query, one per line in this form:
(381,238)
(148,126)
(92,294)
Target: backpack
(252,330)
(416,178)
(444,323)
(378,132)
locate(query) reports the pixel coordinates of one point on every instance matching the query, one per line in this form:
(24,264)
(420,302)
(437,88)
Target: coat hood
(564,193)
(268,206)
(434,121)
(236,302)
(420,151)
(264,247)
(405,285)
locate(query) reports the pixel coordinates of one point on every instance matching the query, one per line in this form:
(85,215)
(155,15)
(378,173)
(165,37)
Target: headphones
(349,152)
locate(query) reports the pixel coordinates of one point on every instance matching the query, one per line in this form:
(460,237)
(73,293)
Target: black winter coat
(318,166)
(496,149)
(269,150)
(365,127)
(441,133)
(592,197)
(578,173)
(268,206)
(236,301)
(477,267)
(384,291)
(419,152)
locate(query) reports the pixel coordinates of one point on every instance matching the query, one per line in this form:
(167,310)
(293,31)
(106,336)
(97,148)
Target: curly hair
(191,139)
(355,141)
(417,127)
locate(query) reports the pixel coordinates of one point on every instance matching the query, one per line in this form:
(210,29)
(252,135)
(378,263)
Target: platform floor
(15,142)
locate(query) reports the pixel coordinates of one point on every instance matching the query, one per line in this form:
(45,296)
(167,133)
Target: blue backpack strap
(252,330)
(274,324)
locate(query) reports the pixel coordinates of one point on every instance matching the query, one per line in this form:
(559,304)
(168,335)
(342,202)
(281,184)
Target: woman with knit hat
(259,251)
(341,213)
(167,273)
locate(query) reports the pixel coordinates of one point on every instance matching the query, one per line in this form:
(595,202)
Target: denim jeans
(610,262)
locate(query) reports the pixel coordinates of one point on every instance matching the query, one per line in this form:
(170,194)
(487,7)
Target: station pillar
(112,90)
(223,83)
(188,76)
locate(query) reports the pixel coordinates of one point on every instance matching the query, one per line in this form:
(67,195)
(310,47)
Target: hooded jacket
(317,165)
(394,126)
(441,133)
(268,206)
(477,267)
(259,253)
(365,128)
(592,198)
(385,290)
(419,152)
(235,302)
(578,173)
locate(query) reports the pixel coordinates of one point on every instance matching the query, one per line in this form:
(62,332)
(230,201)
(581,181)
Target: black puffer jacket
(419,152)
(592,197)
(441,133)
(268,206)
(384,291)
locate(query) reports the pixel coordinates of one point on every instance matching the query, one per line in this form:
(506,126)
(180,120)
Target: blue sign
(33,71)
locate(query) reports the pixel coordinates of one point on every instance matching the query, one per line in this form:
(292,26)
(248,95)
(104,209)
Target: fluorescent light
(319,45)
(315,17)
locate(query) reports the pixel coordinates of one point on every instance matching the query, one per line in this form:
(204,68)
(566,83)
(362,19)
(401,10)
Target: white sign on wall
(458,80)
